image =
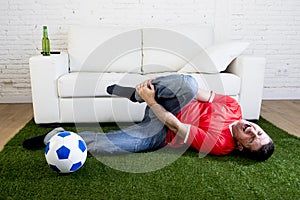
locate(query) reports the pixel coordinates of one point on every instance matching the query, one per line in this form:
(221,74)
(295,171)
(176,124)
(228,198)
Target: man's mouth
(245,126)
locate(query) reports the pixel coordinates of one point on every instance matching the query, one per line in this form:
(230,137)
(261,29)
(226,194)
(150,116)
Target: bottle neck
(45,32)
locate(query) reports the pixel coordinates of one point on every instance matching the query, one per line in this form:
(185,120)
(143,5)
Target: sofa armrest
(44,72)
(251,71)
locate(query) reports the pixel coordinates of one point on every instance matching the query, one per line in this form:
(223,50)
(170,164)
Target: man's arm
(147,92)
(204,95)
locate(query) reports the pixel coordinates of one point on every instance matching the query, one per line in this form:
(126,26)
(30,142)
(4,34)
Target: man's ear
(240,146)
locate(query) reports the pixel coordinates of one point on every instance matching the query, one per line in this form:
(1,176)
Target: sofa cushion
(221,83)
(169,49)
(215,58)
(90,84)
(89,110)
(105,49)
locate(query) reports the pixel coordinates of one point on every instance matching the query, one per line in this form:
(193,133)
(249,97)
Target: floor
(12,118)
(283,113)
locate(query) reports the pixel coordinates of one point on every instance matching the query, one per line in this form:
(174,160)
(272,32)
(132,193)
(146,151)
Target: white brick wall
(272,27)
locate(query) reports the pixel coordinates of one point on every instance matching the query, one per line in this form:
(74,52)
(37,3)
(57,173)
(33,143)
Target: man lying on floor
(177,114)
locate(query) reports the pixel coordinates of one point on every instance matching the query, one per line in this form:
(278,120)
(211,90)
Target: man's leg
(150,134)
(37,142)
(173,91)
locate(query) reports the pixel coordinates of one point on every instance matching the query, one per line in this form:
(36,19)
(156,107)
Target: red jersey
(209,125)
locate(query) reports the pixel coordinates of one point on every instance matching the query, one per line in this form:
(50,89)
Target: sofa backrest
(135,50)
(105,49)
(168,49)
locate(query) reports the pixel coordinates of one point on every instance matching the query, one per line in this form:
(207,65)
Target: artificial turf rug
(25,174)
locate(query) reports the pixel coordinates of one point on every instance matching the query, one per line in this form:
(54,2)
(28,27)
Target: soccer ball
(66,152)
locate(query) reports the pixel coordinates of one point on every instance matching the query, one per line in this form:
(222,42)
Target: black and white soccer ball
(66,152)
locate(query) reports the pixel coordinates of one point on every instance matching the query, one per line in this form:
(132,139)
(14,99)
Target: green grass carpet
(24,174)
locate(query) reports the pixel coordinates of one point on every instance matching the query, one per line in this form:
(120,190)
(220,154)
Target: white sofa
(71,87)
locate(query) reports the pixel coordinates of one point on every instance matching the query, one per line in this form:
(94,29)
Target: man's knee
(190,85)
(175,85)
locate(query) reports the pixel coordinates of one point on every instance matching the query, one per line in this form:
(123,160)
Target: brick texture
(272,27)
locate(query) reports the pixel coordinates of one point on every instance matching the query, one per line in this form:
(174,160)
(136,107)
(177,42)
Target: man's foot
(33,143)
(37,142)
(127,92)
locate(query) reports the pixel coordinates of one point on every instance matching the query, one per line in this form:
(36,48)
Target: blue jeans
(173,92)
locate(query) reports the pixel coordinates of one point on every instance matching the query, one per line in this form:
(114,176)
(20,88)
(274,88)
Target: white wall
(272,27)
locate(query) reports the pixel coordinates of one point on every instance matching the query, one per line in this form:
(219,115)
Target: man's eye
(251,139)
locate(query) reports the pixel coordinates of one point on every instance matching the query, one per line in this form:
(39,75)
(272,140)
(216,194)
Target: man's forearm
(169,120)
(146,91)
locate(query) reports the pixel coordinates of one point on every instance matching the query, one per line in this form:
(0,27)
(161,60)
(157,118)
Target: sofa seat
(100,109)
(91,84)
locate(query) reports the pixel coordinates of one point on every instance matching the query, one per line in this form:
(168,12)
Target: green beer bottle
(45,42)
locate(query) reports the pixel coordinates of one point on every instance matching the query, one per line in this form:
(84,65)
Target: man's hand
(146,91)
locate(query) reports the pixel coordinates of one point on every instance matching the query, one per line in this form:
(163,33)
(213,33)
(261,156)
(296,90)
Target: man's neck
(230,128)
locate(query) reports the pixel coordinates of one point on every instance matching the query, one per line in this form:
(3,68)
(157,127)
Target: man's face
(249,135)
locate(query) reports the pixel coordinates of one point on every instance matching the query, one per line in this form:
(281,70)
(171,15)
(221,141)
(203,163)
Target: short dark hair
(261,154)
